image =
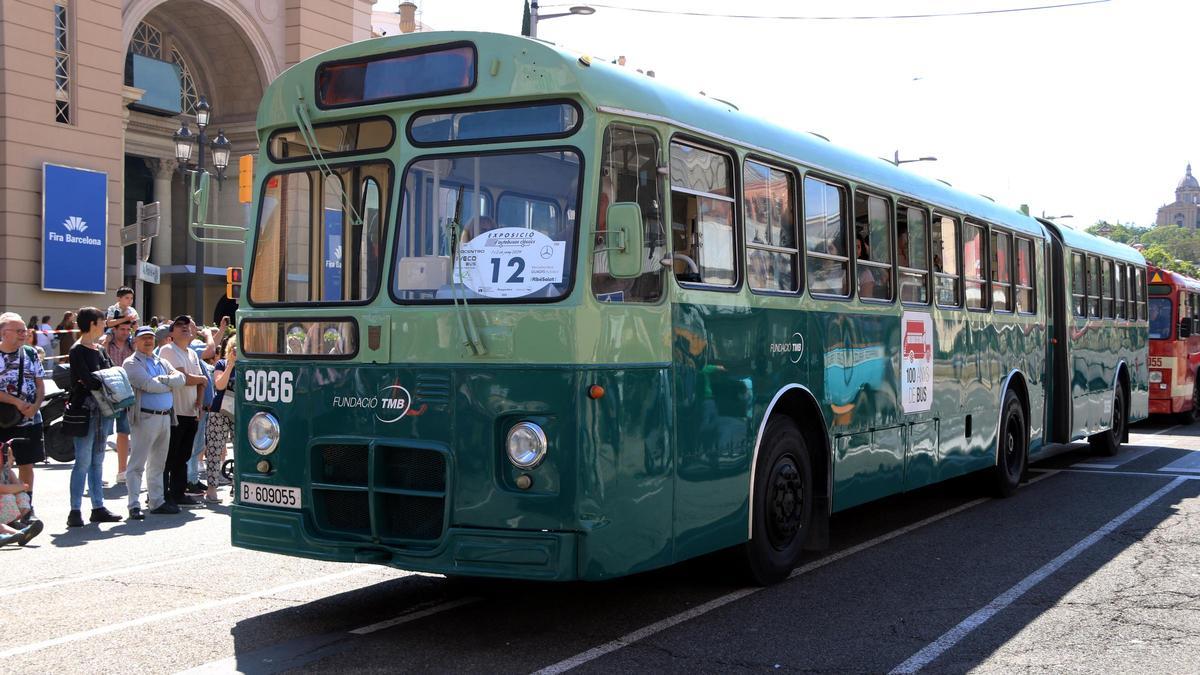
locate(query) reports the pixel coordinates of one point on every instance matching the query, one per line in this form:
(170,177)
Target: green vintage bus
(512,311)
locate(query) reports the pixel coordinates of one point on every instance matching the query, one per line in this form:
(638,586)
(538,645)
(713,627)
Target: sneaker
(224,482)
(187,501)
(120,478)
(30,531)
(103,515)
(75,519)
(196,488)
(135,513)
(165,509)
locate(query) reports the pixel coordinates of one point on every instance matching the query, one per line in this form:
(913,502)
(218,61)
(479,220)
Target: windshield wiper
(473,339)
(309,136)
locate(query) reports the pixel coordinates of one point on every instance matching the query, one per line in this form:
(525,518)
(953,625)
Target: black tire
(1190,416)
(227,469)
(783,503)
(1012,447)
(1108,443)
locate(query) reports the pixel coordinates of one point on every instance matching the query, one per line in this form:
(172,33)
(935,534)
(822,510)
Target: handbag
(76,419)
(115,393)
(10,416)
(228,399)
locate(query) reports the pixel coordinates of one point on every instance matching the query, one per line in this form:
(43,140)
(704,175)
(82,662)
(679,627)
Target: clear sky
(1080,110)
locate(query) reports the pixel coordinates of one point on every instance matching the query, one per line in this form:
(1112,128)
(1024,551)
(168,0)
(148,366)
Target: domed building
(1185,210)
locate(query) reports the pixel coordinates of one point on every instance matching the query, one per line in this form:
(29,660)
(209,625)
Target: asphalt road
(1094,566)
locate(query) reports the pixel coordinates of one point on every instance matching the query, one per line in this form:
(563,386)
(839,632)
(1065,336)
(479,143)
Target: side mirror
(1185,328)
(625,241)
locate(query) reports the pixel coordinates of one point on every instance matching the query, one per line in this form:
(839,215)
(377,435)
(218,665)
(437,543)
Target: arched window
(148,41)
(188,96)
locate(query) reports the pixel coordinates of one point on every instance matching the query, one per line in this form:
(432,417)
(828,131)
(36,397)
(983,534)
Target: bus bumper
(1161,406)
(545,556)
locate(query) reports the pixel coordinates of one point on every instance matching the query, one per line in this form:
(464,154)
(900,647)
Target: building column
(160,249)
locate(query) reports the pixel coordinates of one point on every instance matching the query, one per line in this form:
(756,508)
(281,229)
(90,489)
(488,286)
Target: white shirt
(185,361)
(45,338)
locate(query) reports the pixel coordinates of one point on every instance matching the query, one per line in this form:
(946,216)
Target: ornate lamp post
(220,158)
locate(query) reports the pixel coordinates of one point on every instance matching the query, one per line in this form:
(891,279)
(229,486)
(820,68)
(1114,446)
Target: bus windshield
(1160,318)
(501,225)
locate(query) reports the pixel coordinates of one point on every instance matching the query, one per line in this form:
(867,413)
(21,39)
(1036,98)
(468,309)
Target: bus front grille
(382,492)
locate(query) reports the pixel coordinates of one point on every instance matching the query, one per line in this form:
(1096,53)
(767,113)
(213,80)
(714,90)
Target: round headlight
(263,433)
(1156,376)
(526,445)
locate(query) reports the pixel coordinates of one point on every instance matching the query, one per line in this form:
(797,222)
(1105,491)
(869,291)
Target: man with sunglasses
(21,386)
(188,400)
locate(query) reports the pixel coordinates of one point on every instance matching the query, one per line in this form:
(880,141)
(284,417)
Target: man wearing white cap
(151,417)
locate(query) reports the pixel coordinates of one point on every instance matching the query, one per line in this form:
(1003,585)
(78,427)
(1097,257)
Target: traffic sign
(149,272)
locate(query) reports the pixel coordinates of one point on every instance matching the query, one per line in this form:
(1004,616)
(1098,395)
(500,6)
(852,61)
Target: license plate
(271,495)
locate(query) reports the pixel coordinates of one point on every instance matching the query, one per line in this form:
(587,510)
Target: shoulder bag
(10,416)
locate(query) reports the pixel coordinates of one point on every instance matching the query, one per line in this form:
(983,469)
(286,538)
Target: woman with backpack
(86,357)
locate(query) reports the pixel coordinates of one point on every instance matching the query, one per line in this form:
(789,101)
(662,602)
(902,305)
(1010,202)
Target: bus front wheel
(1108,443)
(1011,447)
(783,503)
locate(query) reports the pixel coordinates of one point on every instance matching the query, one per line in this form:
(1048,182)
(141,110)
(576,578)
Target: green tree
(525,20)
(1160,256)
(1123,234)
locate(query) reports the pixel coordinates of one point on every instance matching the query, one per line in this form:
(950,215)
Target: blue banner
(74,229)
(333,255)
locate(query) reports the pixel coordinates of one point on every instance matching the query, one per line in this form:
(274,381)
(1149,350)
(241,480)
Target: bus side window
(1121,286)
(945,261)
(1079,284)
(703,249)
(1025,265)
(873,246)
(825,238)
(974,266)
(629,173)
(912,233)
(1093,285)
(1106,288)
(1141,293)
(1002,292)
(772,247)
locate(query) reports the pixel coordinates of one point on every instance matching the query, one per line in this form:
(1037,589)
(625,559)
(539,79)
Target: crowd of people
(179,373)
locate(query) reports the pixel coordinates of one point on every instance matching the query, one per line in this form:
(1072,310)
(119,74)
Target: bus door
(1058,385)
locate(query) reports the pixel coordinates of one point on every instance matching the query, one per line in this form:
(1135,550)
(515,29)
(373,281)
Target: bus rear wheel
(783,502)
(1108,443)
(1012,447)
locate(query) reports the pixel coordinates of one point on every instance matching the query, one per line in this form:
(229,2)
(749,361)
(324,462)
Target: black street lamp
(220,158)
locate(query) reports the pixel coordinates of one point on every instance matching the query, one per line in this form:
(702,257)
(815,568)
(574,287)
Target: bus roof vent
(820,136)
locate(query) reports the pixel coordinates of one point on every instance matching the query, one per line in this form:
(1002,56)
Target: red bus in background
(1174,344)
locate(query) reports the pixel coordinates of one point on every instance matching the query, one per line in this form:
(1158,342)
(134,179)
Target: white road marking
(647,631)
(181,611)
(413,616)
(951,637)
(118,571)
(1139,474)
(1189,463)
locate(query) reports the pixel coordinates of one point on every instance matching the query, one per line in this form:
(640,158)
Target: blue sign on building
(74,229)
(333,255)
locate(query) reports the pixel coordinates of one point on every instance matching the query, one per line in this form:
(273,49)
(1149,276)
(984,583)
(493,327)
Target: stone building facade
(1185,210)
(67,97)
